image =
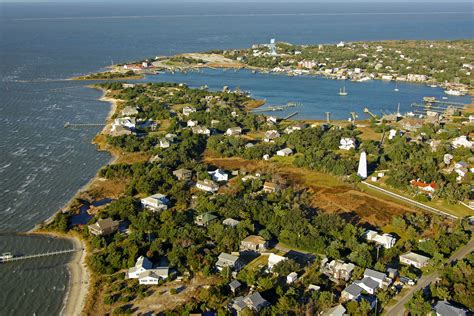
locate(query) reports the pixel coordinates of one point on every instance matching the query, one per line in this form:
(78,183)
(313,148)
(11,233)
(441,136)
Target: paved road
(399,308)
(410,201)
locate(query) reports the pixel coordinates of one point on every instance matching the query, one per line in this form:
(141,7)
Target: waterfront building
(104,227)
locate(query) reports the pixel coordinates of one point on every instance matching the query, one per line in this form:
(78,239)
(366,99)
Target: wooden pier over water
(76,125)
(5,259)
(277,107)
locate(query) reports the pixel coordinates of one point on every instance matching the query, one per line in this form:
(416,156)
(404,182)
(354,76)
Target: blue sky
(223,1)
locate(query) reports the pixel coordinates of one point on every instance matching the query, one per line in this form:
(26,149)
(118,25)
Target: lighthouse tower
(362,171)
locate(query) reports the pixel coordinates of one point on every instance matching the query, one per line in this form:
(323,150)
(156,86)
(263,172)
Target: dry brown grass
(328,193)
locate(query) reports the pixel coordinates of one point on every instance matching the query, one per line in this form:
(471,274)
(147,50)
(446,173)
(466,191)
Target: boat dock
(78,125)
(8,257)
(291,115)
(277,107)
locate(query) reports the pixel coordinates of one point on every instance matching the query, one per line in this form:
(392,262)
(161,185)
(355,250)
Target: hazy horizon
(233,1)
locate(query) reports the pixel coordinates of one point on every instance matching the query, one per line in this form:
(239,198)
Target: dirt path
(163,300)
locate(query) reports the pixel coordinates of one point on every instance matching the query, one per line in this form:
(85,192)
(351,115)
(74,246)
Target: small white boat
(396,88)
(6,256)
(433,86)
(343,91)
(454,92)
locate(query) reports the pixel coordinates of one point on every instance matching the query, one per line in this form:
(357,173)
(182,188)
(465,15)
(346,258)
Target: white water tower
(362,171)
(272,46)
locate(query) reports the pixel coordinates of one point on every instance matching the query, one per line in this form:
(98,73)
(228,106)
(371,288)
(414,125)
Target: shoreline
(79,274)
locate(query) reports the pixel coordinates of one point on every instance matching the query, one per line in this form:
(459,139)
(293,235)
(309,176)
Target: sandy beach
(78,281)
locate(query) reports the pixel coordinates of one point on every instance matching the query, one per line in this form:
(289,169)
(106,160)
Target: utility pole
(328,117)
(354,115)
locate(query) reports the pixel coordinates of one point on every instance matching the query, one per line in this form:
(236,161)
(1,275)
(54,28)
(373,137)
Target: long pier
(277,107)
(76,125)
(39,255)
(291,115)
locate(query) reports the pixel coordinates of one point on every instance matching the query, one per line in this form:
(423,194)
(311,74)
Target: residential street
(399,308)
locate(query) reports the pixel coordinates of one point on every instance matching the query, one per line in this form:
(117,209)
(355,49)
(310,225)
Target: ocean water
(42,164)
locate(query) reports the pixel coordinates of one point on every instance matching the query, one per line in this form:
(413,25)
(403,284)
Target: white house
(188,110)
(347,143)
(152,277)
(234,131)
(273,259)
(291,278)
(156,202)
(219,175)
(386,240)
(285,152)
(369,285)
(338,310)
(142,265)
(414,259)
(272,120)
(461,141)
(271,135)
(164,143)
(351,292)
(378,277)
(207,185)
(128,122)
(202,130)
(192,123)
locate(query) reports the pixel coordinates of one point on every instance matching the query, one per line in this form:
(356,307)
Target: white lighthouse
(362,171)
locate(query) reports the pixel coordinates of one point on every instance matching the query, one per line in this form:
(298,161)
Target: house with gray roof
(414,259)
(205,219)
(377,276)
(153,276)
(338,310)
(368,284)
(253,301)
(235,286)
(230,222)
(183,174)
(104,227)
(351,292)
(228,260)
(444,308)
(143,264)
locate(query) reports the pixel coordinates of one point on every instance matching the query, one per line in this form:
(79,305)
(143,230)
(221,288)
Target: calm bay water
(42,164)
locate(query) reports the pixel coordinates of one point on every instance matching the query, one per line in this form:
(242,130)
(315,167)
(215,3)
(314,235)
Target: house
(188,110)
(205,219)
(414,259)
(285,152)
(273,259)
(191,123)
(347,143)
(338,310)
(142,265)
(249,178)
(376,276)
(235,286)
(337,269)
(272,120)
(351,292)
(219,175)
(291,278)
(104,227)
(230,222)
(291,129)
(201,130)
(271,187)
(129,111)
(392,273)
(152,277)
(164,143)
(254,243)
(411,124)
(444,308)
(423,186)
(128,122)
(461,141)
(118,130)
(461,168)
(183,174)
(156,202)
(253,301)
(368,284)
(386,240)
(233,131)
(207,185)
(228,260)
(271,135)
(313,287)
